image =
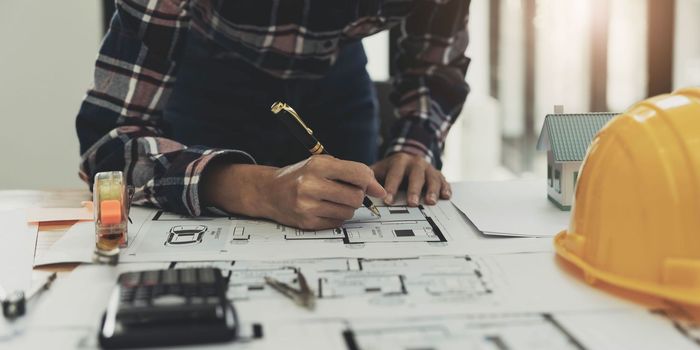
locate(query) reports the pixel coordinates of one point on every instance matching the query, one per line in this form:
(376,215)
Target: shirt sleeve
(120,123)
(429,85)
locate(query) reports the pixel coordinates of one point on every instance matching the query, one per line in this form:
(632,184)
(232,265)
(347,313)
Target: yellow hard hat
(635,221)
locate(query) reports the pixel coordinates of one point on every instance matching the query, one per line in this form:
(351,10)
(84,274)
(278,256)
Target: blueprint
(508,301)
(157,236)
(404,231)
(428,285)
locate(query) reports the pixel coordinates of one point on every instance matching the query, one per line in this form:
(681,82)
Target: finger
(393,180)
(343,193)
(416,180)
(334,211)
(347,171)
(337,192)
(446,190)
(433,187)
(375,189)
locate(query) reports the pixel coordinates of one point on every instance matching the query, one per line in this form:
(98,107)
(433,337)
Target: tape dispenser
(111,202)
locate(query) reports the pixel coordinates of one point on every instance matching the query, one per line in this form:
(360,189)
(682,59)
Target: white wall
(47,49)
(686,55)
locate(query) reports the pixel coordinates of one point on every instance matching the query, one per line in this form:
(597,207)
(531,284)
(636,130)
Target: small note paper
(59,214)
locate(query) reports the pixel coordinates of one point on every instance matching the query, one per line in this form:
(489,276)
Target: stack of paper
(510,208)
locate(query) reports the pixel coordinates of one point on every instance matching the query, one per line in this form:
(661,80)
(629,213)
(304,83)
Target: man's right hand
(317,193)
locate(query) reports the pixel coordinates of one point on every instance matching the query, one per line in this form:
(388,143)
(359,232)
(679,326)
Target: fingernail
(413,199)
(432,198)
(389,199)
(447,193)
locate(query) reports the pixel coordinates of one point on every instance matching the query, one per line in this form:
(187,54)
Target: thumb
(375,189)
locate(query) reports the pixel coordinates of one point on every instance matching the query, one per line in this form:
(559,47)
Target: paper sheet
(58,214)
(516,301)
(228,238)
(45,240)
(410,287)
(16,250)
(75,245)
(510,208)
(401,231)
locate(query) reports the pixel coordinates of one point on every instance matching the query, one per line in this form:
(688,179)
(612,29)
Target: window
(549,176)
(557,180)
(575,178)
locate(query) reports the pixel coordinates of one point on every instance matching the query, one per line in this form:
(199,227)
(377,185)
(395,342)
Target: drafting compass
(303,296)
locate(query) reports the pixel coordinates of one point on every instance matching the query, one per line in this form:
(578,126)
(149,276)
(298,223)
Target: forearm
(430,88)
(236,188)
(164,173)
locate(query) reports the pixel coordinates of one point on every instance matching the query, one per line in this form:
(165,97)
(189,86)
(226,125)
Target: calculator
(168,307)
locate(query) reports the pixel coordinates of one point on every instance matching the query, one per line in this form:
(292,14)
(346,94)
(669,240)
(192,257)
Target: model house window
(575,178)
(557,181)
(549,175)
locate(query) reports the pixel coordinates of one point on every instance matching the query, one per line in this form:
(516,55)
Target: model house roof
(568,135)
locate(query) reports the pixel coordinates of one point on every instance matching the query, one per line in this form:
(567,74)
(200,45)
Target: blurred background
(527,55)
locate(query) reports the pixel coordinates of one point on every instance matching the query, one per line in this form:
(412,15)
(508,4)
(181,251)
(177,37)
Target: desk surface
(622,327)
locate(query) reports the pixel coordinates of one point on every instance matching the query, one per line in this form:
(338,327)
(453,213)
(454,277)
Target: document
(515,301)
(59,214)
(75,245)
(401,231)
(157,236)
(16,251)
(510,208)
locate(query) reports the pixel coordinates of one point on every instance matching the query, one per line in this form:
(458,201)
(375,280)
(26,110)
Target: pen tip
(375,211)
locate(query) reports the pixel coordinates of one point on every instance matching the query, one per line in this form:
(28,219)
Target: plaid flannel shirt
(120,122)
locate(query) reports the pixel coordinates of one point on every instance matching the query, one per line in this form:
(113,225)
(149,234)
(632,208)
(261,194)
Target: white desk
(485,301)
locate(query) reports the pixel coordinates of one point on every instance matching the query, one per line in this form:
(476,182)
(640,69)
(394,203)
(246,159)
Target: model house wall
(561,181)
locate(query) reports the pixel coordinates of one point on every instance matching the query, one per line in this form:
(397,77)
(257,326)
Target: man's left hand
(420,174)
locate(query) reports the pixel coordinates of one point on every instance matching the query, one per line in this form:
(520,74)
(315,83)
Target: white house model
(566,138)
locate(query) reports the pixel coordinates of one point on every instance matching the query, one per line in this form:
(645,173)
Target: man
(182,94)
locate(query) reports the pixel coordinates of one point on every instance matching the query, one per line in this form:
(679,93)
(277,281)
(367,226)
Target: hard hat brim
(593,274)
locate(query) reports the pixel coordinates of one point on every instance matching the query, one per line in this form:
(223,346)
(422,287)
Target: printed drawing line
(507,331)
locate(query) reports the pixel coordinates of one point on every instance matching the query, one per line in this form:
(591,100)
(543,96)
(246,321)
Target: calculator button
(130,279)
(207,276)
(150,278)
(174,289)
(189,290)
(127,294)
(170,276)
(142,293)
(168,300)
(188,276)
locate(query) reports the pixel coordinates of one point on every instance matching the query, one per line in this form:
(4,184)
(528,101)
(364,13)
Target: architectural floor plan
(396,283)
(495,331)
(409,230)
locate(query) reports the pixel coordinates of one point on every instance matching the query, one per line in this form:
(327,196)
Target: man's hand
(317,193)
(420,174)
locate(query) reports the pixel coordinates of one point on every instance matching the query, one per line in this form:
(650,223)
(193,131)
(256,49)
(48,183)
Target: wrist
(237,188)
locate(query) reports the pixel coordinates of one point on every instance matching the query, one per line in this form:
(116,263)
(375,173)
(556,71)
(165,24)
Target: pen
(14,303)
(306,136)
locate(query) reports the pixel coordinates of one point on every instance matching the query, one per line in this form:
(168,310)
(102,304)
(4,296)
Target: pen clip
(279,106)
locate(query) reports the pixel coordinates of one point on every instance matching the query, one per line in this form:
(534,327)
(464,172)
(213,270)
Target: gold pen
(306,136)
